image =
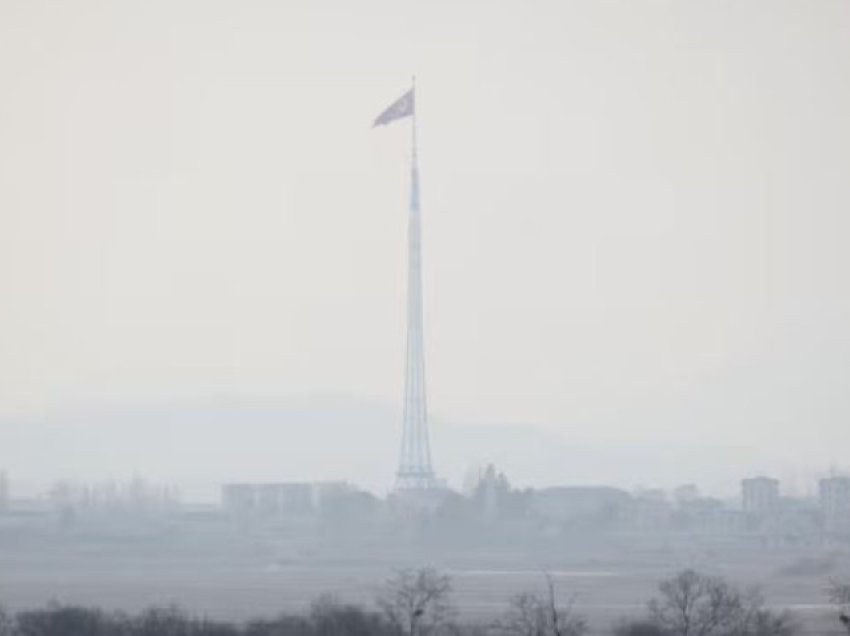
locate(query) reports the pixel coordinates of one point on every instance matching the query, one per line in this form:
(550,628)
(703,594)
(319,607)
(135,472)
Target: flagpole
(414,470)
(413,123)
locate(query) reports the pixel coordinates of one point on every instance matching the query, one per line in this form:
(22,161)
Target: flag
(402,107)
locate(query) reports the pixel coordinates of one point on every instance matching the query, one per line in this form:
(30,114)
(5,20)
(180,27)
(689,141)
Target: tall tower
(414,467)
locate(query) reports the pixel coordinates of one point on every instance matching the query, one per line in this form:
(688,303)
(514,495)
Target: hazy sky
(635,213)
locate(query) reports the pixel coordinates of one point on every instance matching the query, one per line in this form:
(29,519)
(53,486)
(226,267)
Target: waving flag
(402,107)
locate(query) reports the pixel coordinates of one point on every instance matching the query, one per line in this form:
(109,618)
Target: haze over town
(631,302)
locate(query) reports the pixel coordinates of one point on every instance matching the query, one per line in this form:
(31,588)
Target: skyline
(287,440)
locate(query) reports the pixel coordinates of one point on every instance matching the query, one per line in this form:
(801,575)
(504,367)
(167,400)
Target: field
(248,578)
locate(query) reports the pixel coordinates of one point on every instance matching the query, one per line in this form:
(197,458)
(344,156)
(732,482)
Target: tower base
(417,480)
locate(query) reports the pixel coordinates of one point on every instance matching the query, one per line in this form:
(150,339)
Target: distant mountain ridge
(200,444)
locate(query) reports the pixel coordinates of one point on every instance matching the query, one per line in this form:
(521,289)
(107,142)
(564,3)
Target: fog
(634,217)
(199,445)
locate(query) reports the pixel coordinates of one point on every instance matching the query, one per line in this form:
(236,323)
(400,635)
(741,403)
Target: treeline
(419,603)
(56,620)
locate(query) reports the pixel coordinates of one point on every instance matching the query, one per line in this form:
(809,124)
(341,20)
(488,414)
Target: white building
(834,497)
(760,495)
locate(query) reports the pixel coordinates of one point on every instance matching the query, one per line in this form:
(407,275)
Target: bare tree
(534,614)
(695,605)
(763,622)
(691,604)
(331,617)
(417,602)
(638,628)
(6,623)
(839,594)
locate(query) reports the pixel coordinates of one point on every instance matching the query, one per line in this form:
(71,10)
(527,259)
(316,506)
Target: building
(292,499)
(492,489)
(760,495)
(834,499)
(685,494)
(135,496)
(705,516)
(649,511)
(4,491)
(593,505)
